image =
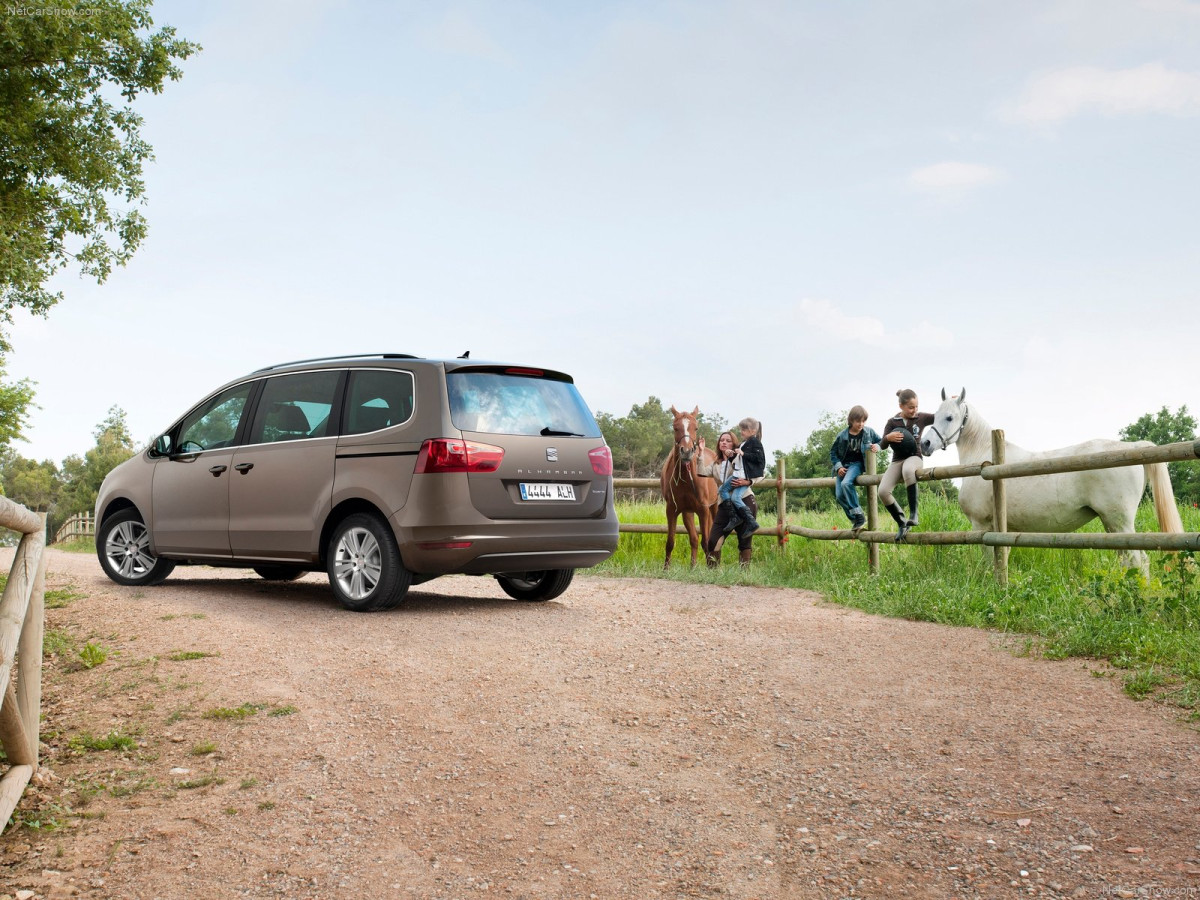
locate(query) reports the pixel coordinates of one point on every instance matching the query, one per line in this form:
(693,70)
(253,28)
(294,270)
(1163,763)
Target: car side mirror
(161,446)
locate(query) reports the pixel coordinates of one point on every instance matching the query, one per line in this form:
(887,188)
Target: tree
(70,159)
(82,477)
(1164,427)
(16,401)
(809,461)
(33,484)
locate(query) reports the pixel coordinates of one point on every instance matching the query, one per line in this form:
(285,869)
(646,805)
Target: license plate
(546,490)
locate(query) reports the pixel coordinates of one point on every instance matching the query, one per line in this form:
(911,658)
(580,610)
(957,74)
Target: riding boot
(912,505)
(731,523)
(898,515)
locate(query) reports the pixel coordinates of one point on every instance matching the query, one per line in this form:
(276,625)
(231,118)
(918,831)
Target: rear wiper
(550,432)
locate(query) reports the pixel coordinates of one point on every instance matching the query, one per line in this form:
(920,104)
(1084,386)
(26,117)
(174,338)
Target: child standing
(903,433)
(846,457)
(751,459)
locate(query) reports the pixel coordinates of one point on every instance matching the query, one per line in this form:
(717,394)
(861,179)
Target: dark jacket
(914,427)
(754,458)
(841,445)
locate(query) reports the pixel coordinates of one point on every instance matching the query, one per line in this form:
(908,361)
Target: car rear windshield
(502,403)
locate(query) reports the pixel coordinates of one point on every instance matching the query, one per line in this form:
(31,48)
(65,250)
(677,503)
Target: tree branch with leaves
(71,159)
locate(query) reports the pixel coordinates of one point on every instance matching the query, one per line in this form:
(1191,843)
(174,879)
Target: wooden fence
(996,472)
(21,626)
(81,525)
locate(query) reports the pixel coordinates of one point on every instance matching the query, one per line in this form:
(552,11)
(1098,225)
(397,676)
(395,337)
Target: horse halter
(686,455)
(946,442)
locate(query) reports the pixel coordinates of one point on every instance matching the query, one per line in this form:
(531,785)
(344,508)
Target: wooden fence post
(999,508)
(781,505)
(21,634)
(872,513)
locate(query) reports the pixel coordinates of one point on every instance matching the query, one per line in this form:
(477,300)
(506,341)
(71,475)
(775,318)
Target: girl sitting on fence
(903,434)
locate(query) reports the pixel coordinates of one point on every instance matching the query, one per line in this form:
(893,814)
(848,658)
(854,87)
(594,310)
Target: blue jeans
(727,491)
(845,491)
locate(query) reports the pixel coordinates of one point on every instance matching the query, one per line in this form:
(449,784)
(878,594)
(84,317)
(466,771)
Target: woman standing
(726,519)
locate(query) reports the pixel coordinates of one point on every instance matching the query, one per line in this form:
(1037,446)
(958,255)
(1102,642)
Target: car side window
(378,399)
(214,424)
(293,407)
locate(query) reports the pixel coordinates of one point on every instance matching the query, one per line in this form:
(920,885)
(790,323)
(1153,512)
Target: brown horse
(686,493)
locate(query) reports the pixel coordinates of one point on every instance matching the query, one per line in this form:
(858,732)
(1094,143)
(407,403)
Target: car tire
(536,586)
(123,546)
(279,573)
(364,565)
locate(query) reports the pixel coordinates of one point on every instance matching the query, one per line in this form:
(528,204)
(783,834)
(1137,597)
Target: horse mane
(976,433)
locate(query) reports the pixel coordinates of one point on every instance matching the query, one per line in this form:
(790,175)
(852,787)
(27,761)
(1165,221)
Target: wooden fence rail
(996,472)
(81,525)
(21,628)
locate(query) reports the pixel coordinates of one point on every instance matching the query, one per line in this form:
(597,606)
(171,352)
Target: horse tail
(1169,521)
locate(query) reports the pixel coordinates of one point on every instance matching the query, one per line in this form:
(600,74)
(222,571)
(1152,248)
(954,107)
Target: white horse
(1051,503)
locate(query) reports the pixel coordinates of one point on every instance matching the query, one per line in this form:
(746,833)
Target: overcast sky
(775,209)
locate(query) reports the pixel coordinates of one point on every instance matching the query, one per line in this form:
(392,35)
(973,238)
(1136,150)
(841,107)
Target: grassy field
(1065,603)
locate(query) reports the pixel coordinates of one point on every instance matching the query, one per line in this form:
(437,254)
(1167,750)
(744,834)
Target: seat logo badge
(551,454)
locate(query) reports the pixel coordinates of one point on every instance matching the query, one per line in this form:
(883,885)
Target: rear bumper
(500,547)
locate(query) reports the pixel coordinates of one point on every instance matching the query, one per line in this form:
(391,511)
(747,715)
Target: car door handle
(217,470)
(244,467)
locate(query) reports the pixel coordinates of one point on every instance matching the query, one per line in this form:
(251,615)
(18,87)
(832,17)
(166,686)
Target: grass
(92,655)
(203,781)
(57,599)
(236,712)
(46,818)
(80,545)
(57,642)
(1070,603)
(85,742)
(183,655)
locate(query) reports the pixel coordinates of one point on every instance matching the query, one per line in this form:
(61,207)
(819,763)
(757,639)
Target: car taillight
(601,459)
(453,455)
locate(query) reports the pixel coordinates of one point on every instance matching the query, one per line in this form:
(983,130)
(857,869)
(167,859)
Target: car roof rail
(300,362)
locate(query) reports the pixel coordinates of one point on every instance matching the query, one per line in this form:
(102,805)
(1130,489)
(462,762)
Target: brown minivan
(384,470)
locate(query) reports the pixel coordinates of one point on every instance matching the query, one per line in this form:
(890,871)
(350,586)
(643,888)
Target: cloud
(953,179)
(1151,88)
(823,319)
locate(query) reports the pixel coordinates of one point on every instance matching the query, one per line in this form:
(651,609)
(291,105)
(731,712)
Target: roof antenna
(465,355)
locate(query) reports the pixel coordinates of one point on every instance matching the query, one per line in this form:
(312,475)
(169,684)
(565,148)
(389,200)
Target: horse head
(685,431)
(948,423)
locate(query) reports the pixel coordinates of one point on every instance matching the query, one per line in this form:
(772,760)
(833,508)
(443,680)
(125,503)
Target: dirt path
(634,739)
